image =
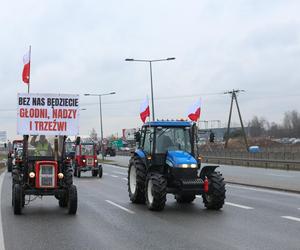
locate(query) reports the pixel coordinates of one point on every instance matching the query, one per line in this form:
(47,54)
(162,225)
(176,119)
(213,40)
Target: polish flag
(194,111)
(144,110)
(26,68)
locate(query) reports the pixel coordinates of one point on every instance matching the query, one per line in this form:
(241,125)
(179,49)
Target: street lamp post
(101,123)
(151,81)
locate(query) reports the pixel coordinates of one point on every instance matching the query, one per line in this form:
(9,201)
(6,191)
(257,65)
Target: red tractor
(43,170)
(86,159)
(16,145)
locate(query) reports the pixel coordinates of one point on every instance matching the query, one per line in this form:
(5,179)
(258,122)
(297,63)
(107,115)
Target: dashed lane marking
(125,179)
(280,175)
(238,205)
(105,174)
(121,173)
(291,218)
(115,176)
(119,206)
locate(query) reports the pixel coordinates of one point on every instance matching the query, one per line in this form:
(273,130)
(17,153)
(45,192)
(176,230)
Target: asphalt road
(273,178)
(251,219)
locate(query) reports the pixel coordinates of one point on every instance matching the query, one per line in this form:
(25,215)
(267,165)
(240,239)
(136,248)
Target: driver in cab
(42,146)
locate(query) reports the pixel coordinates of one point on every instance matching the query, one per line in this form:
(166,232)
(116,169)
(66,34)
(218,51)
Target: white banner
(48,114)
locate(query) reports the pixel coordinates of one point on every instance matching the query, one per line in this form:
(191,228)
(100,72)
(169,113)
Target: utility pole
(234,98)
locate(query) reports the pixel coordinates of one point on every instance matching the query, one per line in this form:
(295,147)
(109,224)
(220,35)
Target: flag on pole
(144,110)
(26,68)
(194,111)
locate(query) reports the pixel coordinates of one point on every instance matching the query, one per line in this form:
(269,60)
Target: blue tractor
(167,161)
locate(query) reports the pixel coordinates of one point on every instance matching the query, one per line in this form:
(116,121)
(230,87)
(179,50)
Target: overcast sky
(79,47)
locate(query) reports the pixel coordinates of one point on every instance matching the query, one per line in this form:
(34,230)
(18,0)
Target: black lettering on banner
(24,101)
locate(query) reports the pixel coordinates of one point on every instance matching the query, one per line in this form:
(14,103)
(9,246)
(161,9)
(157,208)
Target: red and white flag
(26,68)
(194,111)
(144,110)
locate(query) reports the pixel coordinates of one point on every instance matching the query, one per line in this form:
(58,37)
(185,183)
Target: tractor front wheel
(72,200)
(156,191)
(180,198)
(94,173)
(9,164)
(215,197)
(17,196)
(100,171)
(136,182)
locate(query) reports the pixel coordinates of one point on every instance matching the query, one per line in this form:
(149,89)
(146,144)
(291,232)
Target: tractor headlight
(60,175)
(31,174)
(187,165)
(83,160)
(96,160)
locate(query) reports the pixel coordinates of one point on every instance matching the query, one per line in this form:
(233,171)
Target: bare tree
(257,126)
(93,135)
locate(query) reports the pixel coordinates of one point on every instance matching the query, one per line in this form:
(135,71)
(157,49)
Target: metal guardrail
(266,162)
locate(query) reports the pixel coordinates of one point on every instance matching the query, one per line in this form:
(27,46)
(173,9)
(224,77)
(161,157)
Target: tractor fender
(138,154)
(207,170)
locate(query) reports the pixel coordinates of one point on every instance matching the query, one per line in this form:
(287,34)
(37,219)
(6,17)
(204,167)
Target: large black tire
(72,200)
(156,191)
(63,201)
(136,181)
(181,198)
(215,197)
(17,194)
(68,176)
(94,173)
(12,194)
(9,165)
(100,171)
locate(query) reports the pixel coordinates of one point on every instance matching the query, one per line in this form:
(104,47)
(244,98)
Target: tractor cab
(167,161)
(43,170)
(86,159)
(70,150)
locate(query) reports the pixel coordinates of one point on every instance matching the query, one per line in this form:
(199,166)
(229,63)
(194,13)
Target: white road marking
(299,208)
(280,175)
(238,205)
(115,176)
(125,179)
(117,172)
(119,206)
(263,190)
(113,166)
(291,218)
(2,247)
(105,173)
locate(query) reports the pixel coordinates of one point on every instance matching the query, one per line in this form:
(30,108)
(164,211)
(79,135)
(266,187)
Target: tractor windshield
(41,146)
(173,139)
(87,149)
(70,147)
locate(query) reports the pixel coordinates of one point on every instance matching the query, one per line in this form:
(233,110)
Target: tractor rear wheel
(94,173)
(215,197)
(156,191)
(100,171)
(180,198)
(72,200)
(136,181)
(17,195)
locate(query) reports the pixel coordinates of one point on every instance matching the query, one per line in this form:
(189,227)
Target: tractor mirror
(78,140)
(137,136)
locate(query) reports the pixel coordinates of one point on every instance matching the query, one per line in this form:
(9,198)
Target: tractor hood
(175,158)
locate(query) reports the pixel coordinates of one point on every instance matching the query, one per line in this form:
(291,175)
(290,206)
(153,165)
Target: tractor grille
(192,182)
(90,162)
(47,176)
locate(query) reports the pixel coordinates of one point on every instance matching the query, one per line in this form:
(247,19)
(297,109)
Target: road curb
(2,246)
(264,187)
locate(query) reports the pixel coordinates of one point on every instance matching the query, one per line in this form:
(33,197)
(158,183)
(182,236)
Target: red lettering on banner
(50,126)
(64,113)
(33,113)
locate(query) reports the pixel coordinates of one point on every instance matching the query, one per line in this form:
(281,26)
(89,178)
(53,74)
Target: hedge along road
(107,220)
